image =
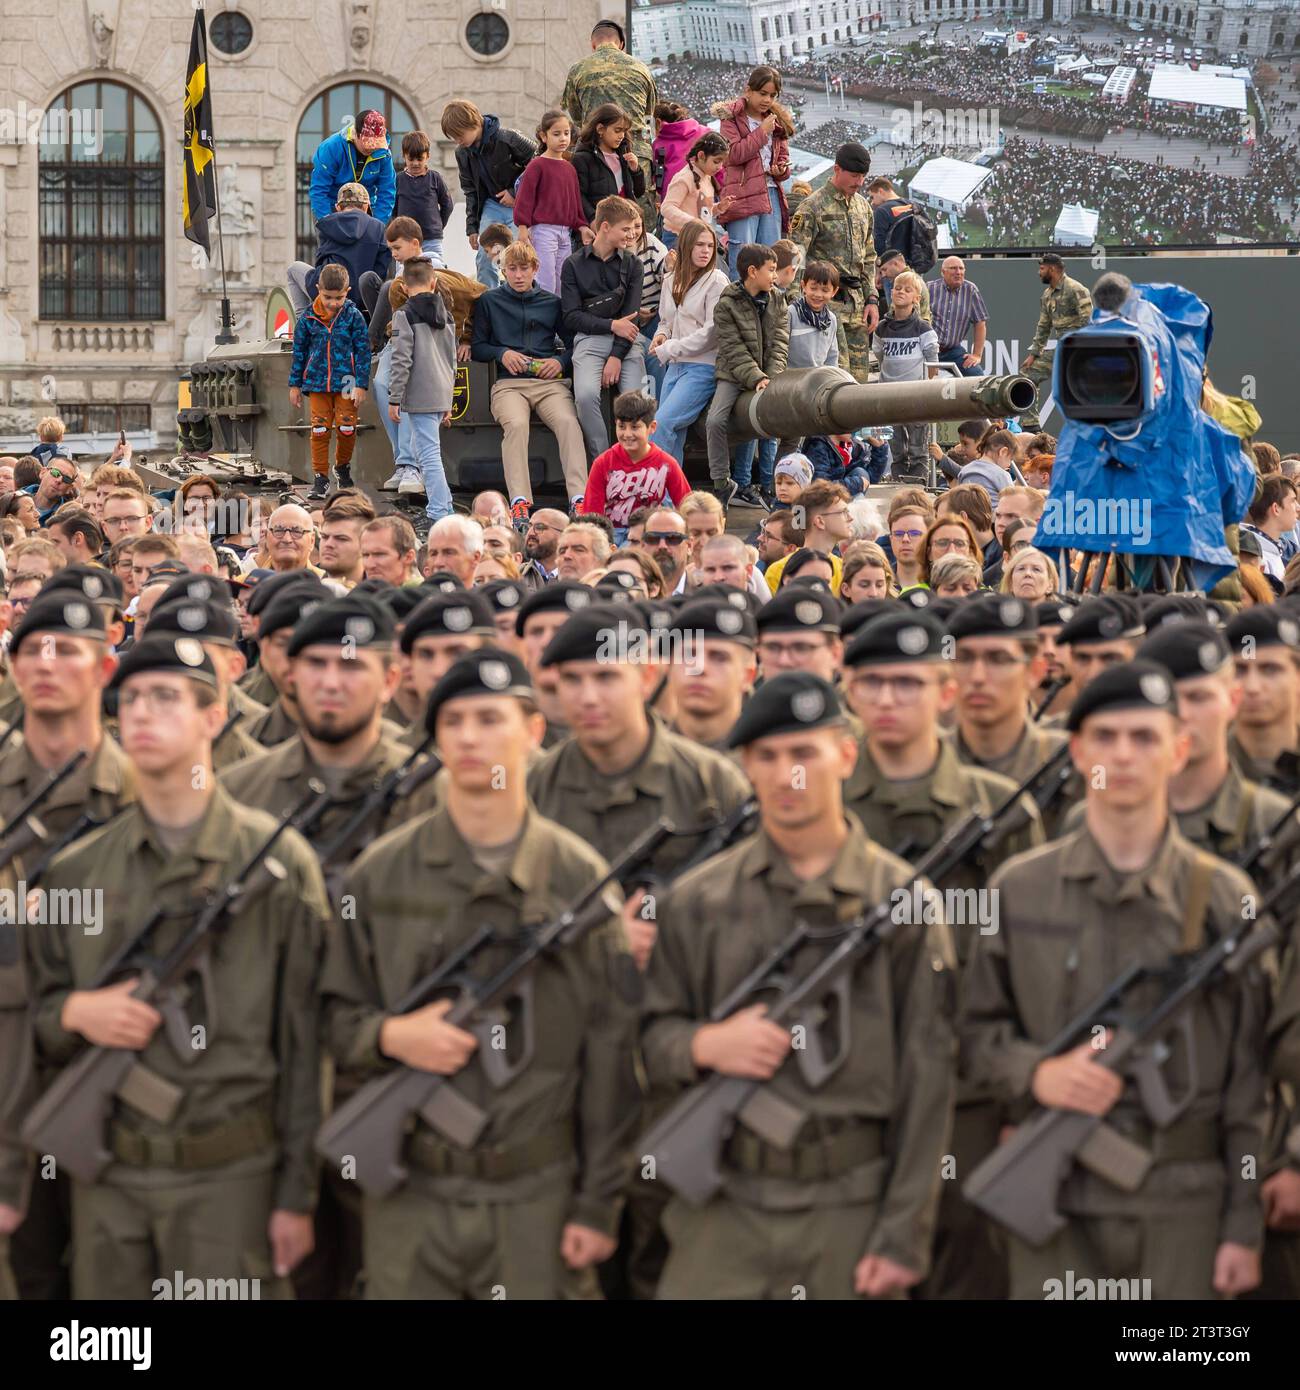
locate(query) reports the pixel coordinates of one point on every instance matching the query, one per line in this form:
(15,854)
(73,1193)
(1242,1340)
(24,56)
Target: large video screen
(1129,124)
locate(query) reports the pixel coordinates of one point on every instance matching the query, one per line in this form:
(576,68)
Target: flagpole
(227,327)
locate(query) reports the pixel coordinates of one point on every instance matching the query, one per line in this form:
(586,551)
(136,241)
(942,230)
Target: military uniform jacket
(256,684)
(1035,745)
(1282,775)
(674,778)
(839,229)
(419,894)
(98,788)
(273,727)
(715,927)
(611,74)
(1068,305)
(262,1050)
(1070,924)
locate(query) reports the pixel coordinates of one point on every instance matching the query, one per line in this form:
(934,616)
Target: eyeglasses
(995,661)
(952,543)
(794,651)
(663,538)
(906,688)
(19,604)
(838,511)
(121,520)
(543,526)
(907,535)
(160,700)
(297,532)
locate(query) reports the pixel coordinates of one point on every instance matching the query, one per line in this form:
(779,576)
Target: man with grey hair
(490,509)
(290,538)
(582,548)
(349,237)
(455,544)
(957,308)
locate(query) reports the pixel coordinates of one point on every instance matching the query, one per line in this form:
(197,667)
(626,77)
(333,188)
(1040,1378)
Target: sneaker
(768,496)
(751,497)
(343,476)
(411,485)
(391,484)
(320,485)
(519,517)
(725,492)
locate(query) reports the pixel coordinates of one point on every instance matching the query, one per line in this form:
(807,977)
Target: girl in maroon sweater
(548,203)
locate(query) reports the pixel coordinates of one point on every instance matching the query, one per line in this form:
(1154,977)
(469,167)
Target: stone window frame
(496,7)
(217,53)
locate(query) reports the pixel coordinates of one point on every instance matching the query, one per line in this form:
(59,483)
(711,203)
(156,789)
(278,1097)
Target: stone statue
(101,38)
(238,226)
(359,24)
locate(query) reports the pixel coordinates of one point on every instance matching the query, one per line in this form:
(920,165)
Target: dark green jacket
(750,345)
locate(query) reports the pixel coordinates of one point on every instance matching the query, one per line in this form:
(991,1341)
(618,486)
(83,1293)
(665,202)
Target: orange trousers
(331,410)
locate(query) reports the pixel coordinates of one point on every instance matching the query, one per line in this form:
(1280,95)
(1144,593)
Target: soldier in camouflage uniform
(610,73)
(1066,304)
(835,224)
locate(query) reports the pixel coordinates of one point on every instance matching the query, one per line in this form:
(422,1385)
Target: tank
(238,421)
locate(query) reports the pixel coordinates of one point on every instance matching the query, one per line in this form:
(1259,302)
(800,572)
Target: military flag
(198,184)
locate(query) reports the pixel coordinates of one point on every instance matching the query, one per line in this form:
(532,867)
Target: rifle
(687,1141)
(83,825)
(1018,1183)
(24,830)
(69,1120)
(1054,688)
(370,1127)
(1249,857)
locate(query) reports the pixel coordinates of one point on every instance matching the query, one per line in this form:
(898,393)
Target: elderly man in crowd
(455,544)
(582,547)
(290,537)
(957,308)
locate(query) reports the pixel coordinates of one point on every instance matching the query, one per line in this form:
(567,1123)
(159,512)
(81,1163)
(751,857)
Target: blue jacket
(330,356)
(827,464)
(353,239)
(338,161)
(531,323)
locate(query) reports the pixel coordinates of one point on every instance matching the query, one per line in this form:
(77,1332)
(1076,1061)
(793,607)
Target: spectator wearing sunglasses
(290,539)
(58,482)
(665,541)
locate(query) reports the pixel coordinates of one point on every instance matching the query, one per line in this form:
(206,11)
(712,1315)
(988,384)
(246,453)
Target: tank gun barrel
(826,400)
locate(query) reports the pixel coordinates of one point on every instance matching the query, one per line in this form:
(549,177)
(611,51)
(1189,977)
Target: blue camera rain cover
(1176,477)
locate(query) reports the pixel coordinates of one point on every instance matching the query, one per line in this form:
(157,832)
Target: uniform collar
(1222,813)
(843,880)
(107,771)
(648,775)
(211,843)
(1163,880)
(942,784)
(442,846)
(294,761)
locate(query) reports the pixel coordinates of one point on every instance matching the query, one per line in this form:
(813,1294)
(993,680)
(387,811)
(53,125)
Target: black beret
(810,581)
(290,604)
(373,586)
(788,702)
(619,579)
(505,595)
(442,582)
(66,612)
(917,598)
(462,613)
(896,637)
(562,596)
(1130,685)
(1182,608)
(184,656)
(1109,618)
(738,598)
(1186,650)
(1265,626)
(660,614)
(1054,612)
(165,573)
(853,158)
(863,612)
(993,615)
(267,589)
(798,608)
(487,671)
(401,601)
(201,588)
(717,618)
(357,618)
(616,592)
(98,585)
(209,622)
(596,633)
(943,608)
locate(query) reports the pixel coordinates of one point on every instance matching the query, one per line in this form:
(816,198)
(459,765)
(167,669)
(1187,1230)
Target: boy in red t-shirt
(634,473)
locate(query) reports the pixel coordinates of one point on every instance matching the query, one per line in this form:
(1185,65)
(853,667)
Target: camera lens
(1105,377)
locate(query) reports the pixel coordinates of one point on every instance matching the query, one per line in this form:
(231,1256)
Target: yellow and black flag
(199,186)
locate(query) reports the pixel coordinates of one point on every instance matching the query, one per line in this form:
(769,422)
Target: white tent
(1068,65)
(948,184)
(1206,91)
(1076,226)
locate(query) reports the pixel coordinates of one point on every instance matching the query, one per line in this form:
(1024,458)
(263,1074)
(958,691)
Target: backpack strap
(1198,900)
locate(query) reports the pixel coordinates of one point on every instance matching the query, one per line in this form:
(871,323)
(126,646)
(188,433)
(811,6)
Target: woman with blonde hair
(1030,575)
(492,567)
(955,576)
(866,573)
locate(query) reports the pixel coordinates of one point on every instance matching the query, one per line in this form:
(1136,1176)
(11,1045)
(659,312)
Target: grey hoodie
(423,369)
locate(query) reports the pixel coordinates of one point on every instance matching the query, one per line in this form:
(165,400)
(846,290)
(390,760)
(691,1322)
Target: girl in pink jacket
(693,192)
(676,130)
(757,129)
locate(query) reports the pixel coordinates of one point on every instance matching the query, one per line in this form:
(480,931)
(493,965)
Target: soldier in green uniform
(1265,745)
(275,631)
(541,1192)
(505,597)
(1066,304)
(1100,633)
(19,596)
(621,770)
(439,631)
(61,666)
(835,224)
(1054,693)
(610,73)
(907,788)
(541,615)
(849,1208)
(256,681)
(406,708)
(1128,888)
(713,669)
(223,1187)
(799,630)
(996,669)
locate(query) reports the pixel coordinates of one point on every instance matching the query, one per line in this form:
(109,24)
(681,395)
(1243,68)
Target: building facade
(102,300)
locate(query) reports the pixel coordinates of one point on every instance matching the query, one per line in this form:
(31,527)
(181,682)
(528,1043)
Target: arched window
(101,197)
(327,115)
